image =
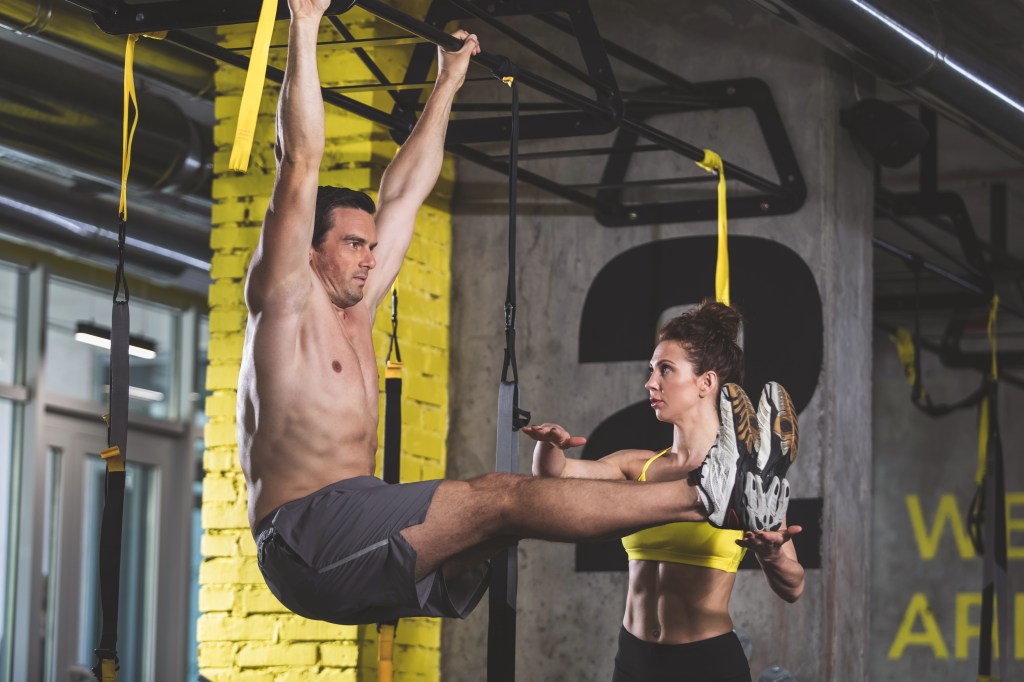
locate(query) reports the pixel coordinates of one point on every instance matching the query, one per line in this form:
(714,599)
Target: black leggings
(719,659)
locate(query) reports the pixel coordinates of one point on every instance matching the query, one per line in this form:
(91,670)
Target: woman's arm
(778,560)
(549,458)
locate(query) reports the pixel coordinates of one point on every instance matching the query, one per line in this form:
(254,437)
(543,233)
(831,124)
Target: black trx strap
(986,524)
(501,627)
(391,469)
(114,455)
(113,504)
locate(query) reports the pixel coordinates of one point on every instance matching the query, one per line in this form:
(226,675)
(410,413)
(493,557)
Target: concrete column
(568,621)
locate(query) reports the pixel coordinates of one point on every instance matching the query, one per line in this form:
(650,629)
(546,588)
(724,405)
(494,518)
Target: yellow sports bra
(693,543)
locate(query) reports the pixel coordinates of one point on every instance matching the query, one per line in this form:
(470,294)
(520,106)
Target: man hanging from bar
(334,542)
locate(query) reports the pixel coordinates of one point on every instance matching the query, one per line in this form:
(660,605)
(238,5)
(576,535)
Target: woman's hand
(767,544)
(301,9)
(548,456)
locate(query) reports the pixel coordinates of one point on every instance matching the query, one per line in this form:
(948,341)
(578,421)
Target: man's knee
(500,495)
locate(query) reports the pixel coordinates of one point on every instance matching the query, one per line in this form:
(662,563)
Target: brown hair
(329,198)
(708,335)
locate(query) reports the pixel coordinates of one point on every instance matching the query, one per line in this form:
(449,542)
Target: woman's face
(674,388)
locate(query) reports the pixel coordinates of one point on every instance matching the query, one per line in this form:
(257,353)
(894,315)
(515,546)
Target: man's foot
(723,474)
(779,436)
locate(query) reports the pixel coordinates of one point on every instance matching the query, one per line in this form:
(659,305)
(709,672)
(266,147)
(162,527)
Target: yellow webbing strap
(128,134)
(112,456)
(712,163)
(983,416)
(109,670)
(252,93)
(385,653)
(905,349)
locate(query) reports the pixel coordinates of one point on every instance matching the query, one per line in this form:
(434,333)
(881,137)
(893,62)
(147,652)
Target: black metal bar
(928,162)
(363,56)
(477,107)
(688,150)
(395,87)
(997,202)
(491,61)
(625,56)
(501,166)
(572,153)
(203,47)
(394,41)
(931,267)
(529,44)
(936,349)
(882,211)
(657,182)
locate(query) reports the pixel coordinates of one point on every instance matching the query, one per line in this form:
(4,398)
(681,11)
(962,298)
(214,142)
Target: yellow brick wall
(244,634)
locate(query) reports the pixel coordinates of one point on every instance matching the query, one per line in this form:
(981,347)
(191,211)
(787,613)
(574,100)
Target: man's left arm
(412,174)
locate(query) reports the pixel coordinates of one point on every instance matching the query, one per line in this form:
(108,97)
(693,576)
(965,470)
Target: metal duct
(50,110)
(60,23)
(916,53)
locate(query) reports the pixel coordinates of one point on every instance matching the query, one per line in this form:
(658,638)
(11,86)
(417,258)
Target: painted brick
(328,675)
(263,655)
(222,403)
(217,655)
(228,319)
(220,377)
(230,571)
(216,598)
(228,265)
(219,488)
(220,515)
(221,544)
(219,461)
(339,655)
(216,627)
(296,628)
(259,600)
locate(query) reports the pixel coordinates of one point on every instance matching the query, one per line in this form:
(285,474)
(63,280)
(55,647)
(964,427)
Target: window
(9,292)
(80,370)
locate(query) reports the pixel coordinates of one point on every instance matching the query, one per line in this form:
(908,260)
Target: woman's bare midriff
(677,603)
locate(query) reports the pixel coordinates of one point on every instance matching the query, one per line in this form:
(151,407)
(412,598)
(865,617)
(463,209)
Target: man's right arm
(279,274)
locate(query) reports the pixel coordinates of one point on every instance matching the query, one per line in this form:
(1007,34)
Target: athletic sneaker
(731,458)
(779,436)
(764,505)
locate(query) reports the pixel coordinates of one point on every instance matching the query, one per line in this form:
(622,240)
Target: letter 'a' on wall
(771,286)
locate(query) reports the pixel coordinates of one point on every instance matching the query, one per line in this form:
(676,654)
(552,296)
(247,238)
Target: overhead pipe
(53,111)
(59,23)
(917,55)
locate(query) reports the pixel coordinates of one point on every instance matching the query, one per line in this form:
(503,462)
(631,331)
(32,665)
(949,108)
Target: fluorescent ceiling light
(140,393)
(94,335)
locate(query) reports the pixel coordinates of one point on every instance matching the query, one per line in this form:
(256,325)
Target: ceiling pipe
(920,56)
(51,110)
(59,23)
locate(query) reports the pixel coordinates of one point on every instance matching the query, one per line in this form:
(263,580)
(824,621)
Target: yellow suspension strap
(117,419)
(391,468)
(987,526)
(712,163)
(252,93)
(908,346)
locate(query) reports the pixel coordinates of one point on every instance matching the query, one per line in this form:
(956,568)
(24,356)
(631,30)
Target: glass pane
(138,553)
(51,558)
(6,560)
(77,369)
(9,282)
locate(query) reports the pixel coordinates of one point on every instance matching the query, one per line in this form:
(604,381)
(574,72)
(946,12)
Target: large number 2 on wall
(771,286)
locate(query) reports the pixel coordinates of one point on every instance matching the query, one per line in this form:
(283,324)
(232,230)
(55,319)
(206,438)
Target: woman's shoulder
(632,461)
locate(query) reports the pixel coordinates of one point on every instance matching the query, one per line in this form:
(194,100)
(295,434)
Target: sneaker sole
(779,433)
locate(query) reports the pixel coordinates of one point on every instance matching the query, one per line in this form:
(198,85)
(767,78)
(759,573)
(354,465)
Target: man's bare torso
(307,401)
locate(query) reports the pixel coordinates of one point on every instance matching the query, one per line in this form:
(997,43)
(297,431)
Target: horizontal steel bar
(372,87)
(354,43)
(732,172)
(657,182)
(491,61)
(592,151)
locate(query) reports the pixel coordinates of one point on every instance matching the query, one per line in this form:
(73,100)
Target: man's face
(345,257)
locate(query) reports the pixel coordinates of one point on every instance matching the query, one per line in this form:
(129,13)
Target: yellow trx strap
(905,349)
(983,417)
(128,135)
(712,163)
(385,652)
(252,93)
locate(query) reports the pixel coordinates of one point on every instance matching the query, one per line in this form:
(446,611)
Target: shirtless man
(334,542)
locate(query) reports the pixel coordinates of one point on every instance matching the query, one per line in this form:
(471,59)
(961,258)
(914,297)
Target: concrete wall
(568,621)
(926,578)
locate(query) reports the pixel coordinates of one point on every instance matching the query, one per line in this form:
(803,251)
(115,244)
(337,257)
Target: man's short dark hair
(329,198)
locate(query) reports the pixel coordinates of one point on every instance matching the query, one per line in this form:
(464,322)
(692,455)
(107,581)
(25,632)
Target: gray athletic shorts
(338,555)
